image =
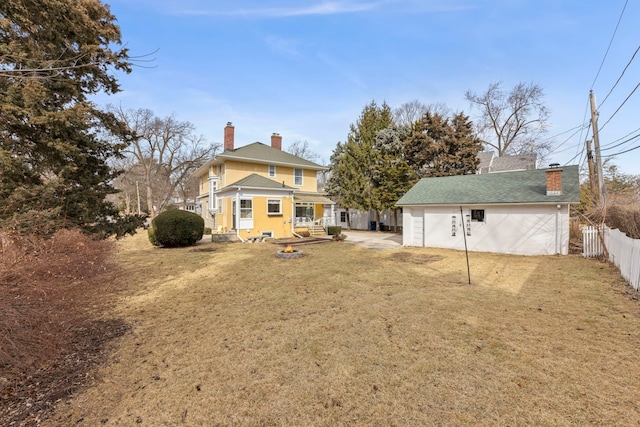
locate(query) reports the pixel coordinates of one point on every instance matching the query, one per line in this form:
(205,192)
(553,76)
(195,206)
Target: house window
(246,208)
(343,217)
(274,206)
(477,215)
(213,187)
(272,171)
(267,234)
(297,177)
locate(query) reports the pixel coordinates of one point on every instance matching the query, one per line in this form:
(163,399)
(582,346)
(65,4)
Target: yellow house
(261,191)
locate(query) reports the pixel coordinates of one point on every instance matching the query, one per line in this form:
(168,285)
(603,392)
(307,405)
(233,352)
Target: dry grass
(351,336)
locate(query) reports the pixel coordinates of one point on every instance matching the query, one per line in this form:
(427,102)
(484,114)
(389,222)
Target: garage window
(477,215)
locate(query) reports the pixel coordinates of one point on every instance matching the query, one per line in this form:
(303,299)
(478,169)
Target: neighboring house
(490,163)
(521,212)
(260,190)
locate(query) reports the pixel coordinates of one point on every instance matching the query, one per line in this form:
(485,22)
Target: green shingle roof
(505,187)
(257,181)
(261,153)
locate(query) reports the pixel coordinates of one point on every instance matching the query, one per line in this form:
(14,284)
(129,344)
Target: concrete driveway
(378,240)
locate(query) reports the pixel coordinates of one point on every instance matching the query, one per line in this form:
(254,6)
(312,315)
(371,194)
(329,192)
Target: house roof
(490,163)
(260,153)
(528,186)
(313,198)
(257,181)
(514,162)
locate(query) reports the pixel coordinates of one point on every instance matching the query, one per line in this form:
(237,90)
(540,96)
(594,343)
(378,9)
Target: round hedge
(176,228)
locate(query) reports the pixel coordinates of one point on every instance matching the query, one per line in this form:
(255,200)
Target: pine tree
(53,161)
(354,163)
(439,146)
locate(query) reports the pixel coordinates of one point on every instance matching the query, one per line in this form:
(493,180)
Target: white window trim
(301,177)
(274,171)
(213,187)
(279,201)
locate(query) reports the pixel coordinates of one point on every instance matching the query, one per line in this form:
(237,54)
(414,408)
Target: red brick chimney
(554,180)
(228,137)
(276,141)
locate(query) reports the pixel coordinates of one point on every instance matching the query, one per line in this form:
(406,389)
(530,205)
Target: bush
(207,230)
(176,228)
(339,237)
(152,237)
(304,233)
(334,230)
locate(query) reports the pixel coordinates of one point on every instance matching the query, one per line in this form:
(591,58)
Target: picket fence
(624,252)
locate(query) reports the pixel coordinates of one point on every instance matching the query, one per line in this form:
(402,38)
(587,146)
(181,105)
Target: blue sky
(306,68)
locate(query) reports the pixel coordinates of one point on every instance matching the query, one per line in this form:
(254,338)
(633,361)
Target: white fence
(624,252)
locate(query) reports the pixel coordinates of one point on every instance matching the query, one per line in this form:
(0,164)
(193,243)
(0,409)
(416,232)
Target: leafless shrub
(42,294)
(625,218)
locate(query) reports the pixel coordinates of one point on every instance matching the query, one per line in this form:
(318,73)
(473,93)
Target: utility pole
(592,186)
(596,146)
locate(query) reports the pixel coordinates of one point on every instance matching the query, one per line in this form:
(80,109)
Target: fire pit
(289,253)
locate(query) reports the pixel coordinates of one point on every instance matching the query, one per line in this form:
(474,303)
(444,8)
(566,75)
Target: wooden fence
(624,252)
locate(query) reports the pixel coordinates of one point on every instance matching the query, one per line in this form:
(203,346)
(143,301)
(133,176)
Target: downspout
(238,216)
(558,237)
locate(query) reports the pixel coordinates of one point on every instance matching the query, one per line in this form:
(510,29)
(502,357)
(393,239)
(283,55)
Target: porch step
(317,230)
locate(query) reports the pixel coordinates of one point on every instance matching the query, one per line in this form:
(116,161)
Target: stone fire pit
(289,253)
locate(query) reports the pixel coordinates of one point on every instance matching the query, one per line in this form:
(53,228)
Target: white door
(417,228)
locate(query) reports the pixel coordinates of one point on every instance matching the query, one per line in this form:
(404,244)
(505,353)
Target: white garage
(523,212)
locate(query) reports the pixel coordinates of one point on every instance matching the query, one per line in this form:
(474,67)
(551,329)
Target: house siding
(513,229)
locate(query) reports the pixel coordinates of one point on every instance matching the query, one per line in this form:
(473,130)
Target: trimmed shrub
(176,228)
(207,230)
(334,230)
(304,233)
(152,237)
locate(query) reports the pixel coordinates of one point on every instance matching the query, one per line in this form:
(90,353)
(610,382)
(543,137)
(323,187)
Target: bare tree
(302,150)
(410,112)
(166,150)
(514,121)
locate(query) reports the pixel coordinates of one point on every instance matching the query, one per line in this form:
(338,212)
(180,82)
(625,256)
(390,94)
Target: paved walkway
(379,240)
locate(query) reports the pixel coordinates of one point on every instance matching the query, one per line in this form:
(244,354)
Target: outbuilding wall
(511,229)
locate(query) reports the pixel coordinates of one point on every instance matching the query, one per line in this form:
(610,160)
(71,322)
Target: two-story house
(260,190)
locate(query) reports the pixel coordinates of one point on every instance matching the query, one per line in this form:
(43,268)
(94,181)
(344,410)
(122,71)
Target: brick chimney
(554,180)
(228,137)
(276,141)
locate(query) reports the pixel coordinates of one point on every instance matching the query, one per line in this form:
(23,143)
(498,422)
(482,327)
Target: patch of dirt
(415,258)
(31,399)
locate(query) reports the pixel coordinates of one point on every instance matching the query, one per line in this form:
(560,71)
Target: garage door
(417,229)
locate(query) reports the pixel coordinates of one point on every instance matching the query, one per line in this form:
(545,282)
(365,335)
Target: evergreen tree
(439,146)
(53,161)
(354,163)
(393,176)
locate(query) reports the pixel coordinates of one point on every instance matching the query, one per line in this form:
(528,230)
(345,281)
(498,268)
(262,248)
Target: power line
(623,142)
(610,42)
(619,78)
(618,109)
(625,151)
(610,146)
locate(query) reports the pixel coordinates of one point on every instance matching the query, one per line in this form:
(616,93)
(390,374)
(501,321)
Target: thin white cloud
(322,8)
(282,46)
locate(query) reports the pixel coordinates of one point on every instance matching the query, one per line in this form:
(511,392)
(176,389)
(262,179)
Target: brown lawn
(227,334)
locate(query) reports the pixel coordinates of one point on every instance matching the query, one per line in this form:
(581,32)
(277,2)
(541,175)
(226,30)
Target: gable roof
(490,163)
(258,181)
(258,152)
(261,153)
(528,186)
